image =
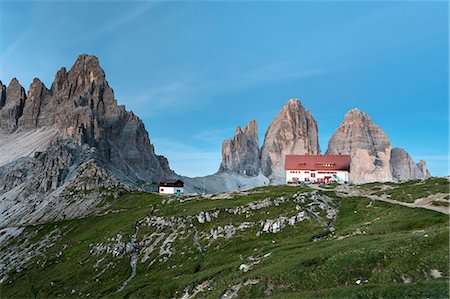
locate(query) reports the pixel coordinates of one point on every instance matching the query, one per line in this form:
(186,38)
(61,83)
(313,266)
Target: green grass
(379,242)
(409,191)
(440,203)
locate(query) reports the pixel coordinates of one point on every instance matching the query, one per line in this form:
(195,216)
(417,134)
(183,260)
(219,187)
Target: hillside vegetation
(280,242)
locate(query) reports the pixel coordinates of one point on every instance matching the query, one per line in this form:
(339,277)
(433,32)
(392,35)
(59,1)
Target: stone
(423,168)
(403,167)
(81,107)
(240,154)
(83,133)
(12,103)
(368,145)
(293,131)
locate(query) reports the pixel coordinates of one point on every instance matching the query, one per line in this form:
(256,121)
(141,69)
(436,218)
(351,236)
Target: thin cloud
(194,92)
(127,17)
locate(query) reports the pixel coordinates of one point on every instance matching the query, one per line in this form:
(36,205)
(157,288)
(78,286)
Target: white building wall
(315,176)
(170,190)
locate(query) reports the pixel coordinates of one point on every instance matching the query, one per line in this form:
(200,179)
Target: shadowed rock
(293,131)
(240,154)
(74,137)
(403,166)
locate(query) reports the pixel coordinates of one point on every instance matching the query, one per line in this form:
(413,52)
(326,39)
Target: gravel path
(347,191)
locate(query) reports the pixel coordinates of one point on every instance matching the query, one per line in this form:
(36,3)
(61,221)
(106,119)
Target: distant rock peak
(368,145)
(240,154)
(294,130)
(373,158)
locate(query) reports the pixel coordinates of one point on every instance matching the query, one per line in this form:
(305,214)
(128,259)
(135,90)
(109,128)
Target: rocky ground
(275,241)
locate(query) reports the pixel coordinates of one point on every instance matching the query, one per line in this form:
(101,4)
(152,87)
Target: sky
(193,71)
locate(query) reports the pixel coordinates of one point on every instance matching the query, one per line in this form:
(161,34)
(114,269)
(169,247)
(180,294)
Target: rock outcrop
(423,168)
(12,102)
(81,107)
(293,131)
(240,154)
(403,167)
(368,145)
(72,129)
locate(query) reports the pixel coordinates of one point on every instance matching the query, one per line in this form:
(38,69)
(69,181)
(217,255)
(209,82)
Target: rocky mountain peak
(60,82)
(81,108)
(359,132)
(86,70)
(240,154)
(12,101)
(294,102)
(368,144)
(251,128)
(14,93)
(403,166)
(423,168)
(293,131)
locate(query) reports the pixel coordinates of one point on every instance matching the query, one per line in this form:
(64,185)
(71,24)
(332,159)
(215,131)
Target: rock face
(83,129)
(12,102)
(423,168)
(240,154)
(293,131)
(403,166)
(81,107)
(368,145)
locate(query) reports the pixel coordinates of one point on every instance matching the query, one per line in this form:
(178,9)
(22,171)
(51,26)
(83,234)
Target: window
(160,190)
(313,175)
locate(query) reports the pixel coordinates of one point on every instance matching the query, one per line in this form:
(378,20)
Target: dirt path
(347,191)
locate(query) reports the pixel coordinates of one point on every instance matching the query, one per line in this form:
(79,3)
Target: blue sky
(193,71)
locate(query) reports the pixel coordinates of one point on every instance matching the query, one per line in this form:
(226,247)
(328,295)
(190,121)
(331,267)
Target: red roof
(171,183)
(317,162)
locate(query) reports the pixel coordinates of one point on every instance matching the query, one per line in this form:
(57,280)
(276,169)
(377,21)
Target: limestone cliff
(240,154)
(403,166)
(51,138)
(423,168)
(293,131)
(368,145)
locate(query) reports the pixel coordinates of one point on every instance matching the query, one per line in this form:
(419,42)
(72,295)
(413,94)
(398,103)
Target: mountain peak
(240,154)
(14,83)
(368,144)
(292,101)
(86,68)
(81,108)
(293,131)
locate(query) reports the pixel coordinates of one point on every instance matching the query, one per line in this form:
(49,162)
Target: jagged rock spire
(81,107)
(293,131)
(240,154)
(12,101)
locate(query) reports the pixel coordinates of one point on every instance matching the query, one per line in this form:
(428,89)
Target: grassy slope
(409,191)
(375,241)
